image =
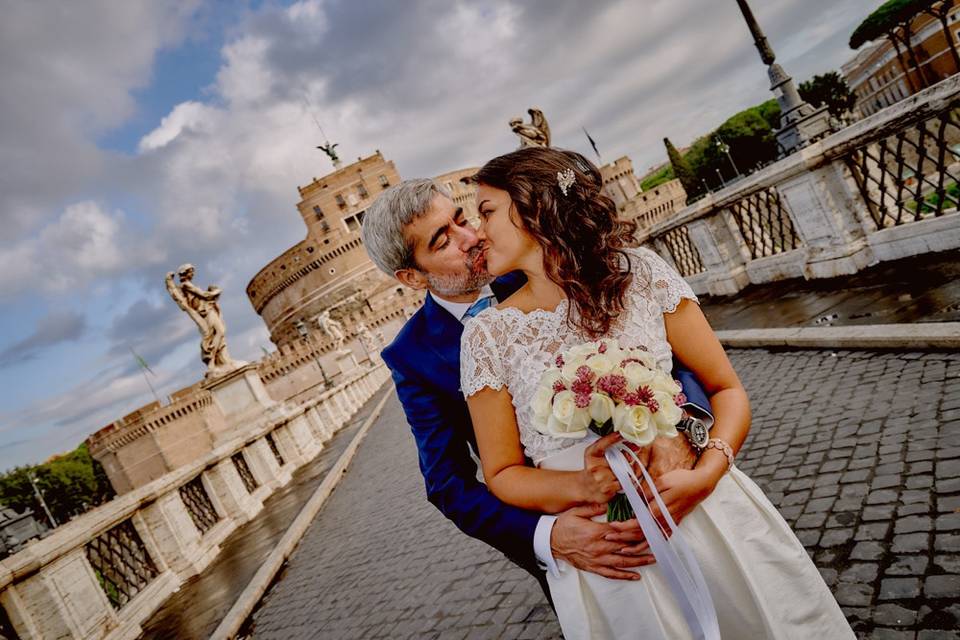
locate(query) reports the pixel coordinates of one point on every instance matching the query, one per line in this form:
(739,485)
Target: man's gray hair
(386,218)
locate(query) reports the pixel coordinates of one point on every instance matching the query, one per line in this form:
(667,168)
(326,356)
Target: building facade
(330,268)
(463,191)
(880,75)
(645,208)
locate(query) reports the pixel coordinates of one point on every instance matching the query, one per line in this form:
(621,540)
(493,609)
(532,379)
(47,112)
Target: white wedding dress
(761,579)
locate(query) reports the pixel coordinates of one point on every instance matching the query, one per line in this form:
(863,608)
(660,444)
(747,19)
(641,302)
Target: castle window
(309,249)
(384,182)
(340,201)
(332,271)
(317,210)
(362,191)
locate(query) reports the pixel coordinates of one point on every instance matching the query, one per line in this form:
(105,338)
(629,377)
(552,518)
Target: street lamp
(301,328)
(723,147)
(720,175)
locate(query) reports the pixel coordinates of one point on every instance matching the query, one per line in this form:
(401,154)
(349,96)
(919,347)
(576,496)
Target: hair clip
(565,179)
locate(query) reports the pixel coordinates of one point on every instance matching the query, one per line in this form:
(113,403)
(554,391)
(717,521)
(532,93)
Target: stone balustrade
(102,574)
(885,188)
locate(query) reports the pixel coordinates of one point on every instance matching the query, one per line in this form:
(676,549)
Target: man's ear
(413,278)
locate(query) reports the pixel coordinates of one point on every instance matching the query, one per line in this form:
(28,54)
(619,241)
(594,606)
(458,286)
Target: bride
(584,282)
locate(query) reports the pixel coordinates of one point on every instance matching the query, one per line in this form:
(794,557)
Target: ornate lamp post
(800,123)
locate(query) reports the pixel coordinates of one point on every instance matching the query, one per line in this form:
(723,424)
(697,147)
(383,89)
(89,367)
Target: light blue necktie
(478,306)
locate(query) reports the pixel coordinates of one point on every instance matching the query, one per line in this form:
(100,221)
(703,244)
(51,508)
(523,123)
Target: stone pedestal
(822,205)
(240,394)
(720,254)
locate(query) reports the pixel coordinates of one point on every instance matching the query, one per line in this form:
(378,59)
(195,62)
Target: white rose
(567,420)
(666,384)
(635,424)
(542,402)
(572,362)
(668,415)
(601,364)
(637,375)
(601,408)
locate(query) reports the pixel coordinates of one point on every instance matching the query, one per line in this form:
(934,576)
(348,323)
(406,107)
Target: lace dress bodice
(507,347)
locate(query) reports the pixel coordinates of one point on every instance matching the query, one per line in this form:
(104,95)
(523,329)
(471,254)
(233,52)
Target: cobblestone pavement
(859,450)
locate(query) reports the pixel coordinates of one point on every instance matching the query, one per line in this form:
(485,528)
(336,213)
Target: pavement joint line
(253,592)
(920,335)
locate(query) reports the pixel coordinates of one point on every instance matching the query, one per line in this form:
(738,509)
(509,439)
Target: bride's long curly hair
(582,237)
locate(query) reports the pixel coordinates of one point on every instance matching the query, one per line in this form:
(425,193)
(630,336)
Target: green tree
(682,170)
(829,89)
(71,484)
(893,20)
(658,177)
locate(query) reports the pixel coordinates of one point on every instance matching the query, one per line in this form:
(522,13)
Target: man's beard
(459,284)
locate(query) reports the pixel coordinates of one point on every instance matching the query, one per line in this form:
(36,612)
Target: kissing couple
(504,360)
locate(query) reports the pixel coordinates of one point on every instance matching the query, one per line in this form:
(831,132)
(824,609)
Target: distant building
(330,267)
(464,192)
(876,73)
(646,208)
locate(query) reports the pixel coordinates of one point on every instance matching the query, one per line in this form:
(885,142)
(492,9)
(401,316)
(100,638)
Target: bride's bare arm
(512,481)
(695,345)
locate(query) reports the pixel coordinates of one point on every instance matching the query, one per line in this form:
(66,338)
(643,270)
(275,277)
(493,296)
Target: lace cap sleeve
(667,284)
(481,364)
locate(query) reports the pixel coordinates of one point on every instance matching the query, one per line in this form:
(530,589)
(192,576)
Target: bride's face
(506,245)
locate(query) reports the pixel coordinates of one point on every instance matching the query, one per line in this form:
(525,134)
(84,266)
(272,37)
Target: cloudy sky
(138,135)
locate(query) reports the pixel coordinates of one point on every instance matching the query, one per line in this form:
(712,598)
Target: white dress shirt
(541,535)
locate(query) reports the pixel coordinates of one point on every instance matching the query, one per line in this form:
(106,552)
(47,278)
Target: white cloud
(186,116)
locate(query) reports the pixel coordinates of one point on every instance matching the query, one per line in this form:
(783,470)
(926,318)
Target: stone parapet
(72,584)
(880,189)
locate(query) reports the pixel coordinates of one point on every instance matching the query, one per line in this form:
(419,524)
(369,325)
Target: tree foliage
(70,484)
(888,17)
(829,89)
(681,169)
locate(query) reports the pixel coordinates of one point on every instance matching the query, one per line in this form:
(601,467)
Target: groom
(417,234)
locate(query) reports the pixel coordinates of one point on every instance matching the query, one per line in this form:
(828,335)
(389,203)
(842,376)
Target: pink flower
(558,386)
(602,348)
(582,400)
(643,395)
(585,373)
(653,405)
(613,385)
(581,386)
(680,399)
(559,360)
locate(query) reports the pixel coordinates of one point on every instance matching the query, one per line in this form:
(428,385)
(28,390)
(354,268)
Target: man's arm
(449,475)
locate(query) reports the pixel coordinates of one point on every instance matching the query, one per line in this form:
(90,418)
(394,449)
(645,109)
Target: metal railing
(121,563)
(911,174)
(273,449)
(199,505)
(240,463)
(764,223)
(683,251)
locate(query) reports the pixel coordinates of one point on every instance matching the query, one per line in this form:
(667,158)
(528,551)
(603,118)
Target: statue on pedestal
(203,307)
(534,134)
(367,339)
(332,328)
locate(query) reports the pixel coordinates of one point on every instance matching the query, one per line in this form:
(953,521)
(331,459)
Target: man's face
(447,252)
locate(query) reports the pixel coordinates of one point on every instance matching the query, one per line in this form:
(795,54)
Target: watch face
(699,434)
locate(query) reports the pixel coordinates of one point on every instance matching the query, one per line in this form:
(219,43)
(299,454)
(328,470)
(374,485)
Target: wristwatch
(696,432)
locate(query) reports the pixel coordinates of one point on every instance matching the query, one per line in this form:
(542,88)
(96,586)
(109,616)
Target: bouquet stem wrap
(674,557)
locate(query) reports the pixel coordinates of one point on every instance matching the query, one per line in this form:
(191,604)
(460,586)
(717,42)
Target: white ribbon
(674,557)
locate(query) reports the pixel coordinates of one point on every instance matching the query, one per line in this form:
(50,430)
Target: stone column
(721,253)
(177,539)
(307,443)
(823,205)
(225,481)
(320,428)
(334,419)
(287,445)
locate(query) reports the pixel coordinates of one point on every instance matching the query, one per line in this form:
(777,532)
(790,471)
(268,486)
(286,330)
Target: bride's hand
(598,484)
(681,491)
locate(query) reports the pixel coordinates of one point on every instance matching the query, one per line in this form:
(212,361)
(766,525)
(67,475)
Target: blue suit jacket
(425,361)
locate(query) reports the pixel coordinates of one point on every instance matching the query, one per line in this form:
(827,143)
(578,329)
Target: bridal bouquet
(603,388)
